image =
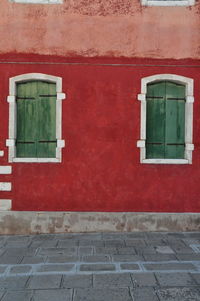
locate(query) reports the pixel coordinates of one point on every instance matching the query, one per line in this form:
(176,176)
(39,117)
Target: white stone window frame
(168,2)
(37,1)
(11,99)
(189,146)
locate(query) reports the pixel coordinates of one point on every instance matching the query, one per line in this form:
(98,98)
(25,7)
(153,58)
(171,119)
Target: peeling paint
(101,28)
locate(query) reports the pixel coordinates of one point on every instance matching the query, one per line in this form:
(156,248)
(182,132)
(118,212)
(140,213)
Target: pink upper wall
(100,28)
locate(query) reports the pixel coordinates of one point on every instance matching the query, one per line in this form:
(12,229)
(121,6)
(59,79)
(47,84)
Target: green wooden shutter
(175,121)
(165,127)
(155,126)
(36,120)
(26,120)
(47,120)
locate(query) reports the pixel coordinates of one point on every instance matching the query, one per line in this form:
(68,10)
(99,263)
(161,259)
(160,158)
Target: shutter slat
(175,117)
(155,125)
(47,119)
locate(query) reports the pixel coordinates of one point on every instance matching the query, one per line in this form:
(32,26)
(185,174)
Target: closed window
(166,119)
(35,108)
(165,128)
(36,120)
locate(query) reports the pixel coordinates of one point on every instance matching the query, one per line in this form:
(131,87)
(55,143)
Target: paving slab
(107,250)
(55,268)
(129,266)
(179,294)
(164,249)
(85,250)
(156,235)
(97,267)
(96,258)
(93,294)
(156,242)
(10,259)
(1,293)
(44,244)
(18,244)
(94,243)
(44,282)
(160,257)
(188,257)
(195,235)
(144,279)
(13,282)
(113,235)
(19,251)
(169,266)
(113,280)
(32,259)
(16,238)
(175,279)
(182,250)
(17,296)
(62,259)
(144,294)
(20,269)
(57,251)
(77,281)
(127,250)
(135,242)
(114,243)
(145,250)
(136,235)
(196,277)
(127,258)
(67,243)
(52,295)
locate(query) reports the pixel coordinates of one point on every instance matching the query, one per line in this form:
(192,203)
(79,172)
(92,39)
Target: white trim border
(37,1)
(5,204)
(5,186)
(167,3)
(11,99)
(189,146)
(5,170)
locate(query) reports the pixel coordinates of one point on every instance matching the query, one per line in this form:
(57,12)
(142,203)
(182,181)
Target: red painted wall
(101,125)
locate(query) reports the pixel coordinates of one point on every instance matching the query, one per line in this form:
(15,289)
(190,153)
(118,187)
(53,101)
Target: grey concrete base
(32,222)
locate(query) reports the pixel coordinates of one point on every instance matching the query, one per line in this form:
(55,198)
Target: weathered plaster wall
(100,28)
(101,125)
(16,222)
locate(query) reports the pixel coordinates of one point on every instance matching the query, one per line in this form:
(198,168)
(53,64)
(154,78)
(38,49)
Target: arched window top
(34,76)
(188,82)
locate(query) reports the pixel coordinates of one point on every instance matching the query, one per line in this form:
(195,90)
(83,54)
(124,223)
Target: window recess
(35,118)
(166,120)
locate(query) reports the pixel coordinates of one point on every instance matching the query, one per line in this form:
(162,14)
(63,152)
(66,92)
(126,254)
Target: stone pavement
(100,267)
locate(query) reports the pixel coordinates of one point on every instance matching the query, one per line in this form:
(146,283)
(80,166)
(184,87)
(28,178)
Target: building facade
(100,117)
